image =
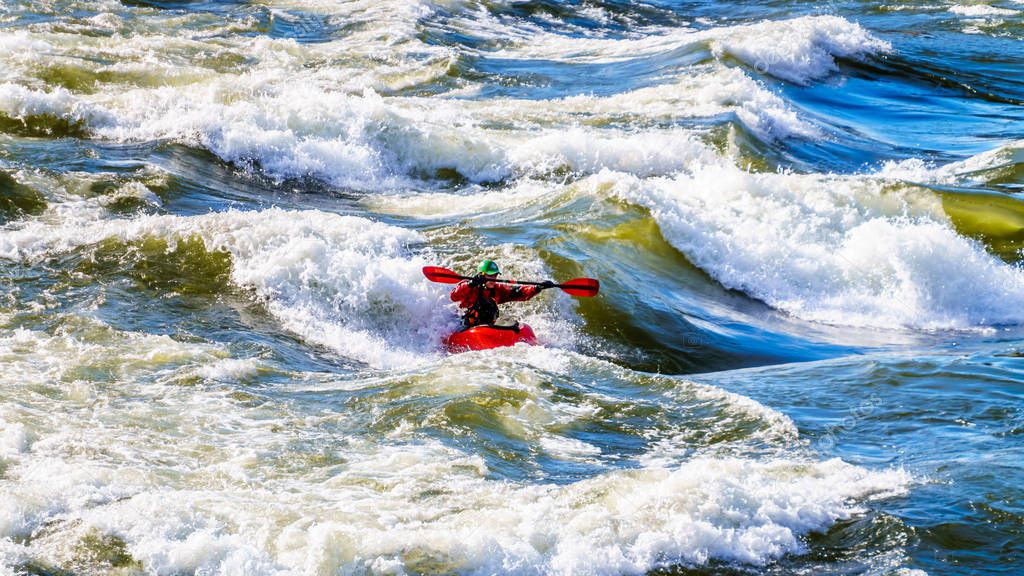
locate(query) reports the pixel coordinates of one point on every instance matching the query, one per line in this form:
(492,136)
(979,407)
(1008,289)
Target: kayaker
(481,295)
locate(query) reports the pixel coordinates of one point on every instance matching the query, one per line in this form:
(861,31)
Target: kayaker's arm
(514,293)
(461,294)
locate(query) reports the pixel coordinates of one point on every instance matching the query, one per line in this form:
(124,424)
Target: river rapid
(218,353)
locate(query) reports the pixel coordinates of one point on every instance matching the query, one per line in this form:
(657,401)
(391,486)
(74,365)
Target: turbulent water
(219,355)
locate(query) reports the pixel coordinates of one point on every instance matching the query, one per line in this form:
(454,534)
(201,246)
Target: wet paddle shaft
(585,287)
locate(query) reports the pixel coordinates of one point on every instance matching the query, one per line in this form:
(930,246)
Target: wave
(17,199)
(979,194)
(864,250)
(225,490)
(708,510)
(347,283)
(372,143)
(808,52)
(1000,165)
(800,50)
(974,10)
(285,109)
(55,113)
(844,250)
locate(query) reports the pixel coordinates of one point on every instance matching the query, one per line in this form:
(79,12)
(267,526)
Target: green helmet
(488,267)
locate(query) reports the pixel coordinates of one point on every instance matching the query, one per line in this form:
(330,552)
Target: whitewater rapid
(220,355)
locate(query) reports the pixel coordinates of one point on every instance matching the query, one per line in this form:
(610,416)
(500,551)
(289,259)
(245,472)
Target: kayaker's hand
(477,282)
(547,284)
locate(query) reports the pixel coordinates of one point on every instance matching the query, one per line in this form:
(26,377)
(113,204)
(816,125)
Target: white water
(808,52)
(192,479)
(290,117)
(797,242)
(974,10)
(184,454)
(848,250)
(343,282)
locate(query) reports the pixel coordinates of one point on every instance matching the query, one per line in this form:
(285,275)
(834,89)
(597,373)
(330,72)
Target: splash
(845,250)
(347,283)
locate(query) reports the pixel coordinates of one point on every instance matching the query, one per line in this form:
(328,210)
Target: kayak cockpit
(489,336)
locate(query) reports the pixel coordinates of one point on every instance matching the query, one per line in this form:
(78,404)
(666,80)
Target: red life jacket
(481,302)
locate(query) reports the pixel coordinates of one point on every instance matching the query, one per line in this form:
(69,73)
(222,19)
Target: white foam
(131,191)
(697,93)
(344,282)
(975,10)
(20,102)
(231,369)
(11,553)
(19,45)
(799,50)
(292,117)
(374,144)
(569,448)
(532,43)
(49,360)
(13,439)
(192,481)
(523,193)
(971,170)
(841,250)
(53,466)
(71,196)
(774,430)
(618,523)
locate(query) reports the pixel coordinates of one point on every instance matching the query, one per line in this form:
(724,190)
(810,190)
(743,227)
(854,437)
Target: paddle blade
(585,287)
(442,275)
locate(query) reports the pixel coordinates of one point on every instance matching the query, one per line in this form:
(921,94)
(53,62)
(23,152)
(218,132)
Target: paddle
(585,287)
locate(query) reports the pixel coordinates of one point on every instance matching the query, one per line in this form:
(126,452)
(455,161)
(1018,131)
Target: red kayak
(489,336)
